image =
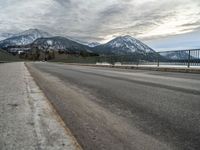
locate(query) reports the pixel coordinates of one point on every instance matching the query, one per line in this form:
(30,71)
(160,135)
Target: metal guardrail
(187,58)
(180,57)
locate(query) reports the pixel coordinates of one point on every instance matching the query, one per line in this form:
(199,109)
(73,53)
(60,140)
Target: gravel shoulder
(27,119)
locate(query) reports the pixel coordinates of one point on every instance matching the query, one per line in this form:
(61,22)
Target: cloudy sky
(162,24)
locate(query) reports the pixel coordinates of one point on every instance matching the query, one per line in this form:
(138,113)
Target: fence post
(158,59)
(189,59)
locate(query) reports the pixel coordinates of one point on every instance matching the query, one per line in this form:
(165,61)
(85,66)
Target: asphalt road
(115,109)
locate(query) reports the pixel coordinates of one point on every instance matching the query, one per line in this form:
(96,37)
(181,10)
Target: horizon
(165,25)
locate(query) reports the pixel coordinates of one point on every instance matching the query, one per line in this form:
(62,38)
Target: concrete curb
(28,121)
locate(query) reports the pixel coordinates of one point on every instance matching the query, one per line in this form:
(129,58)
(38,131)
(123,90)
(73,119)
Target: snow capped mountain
(23,38)
(90,44)
(123,45)
(36,38)
(35,33)
(59,43)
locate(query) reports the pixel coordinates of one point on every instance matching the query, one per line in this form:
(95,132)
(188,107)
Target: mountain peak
(124,45)
(37,32)
(122,41)
(24,38)
(31,31)
(126,37)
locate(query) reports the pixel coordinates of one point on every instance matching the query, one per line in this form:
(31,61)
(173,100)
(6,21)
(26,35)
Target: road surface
(115,109)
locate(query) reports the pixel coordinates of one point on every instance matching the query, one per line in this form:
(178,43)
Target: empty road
(114,109)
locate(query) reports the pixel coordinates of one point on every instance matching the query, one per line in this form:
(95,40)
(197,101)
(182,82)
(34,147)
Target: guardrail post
(189,59)
(158,59)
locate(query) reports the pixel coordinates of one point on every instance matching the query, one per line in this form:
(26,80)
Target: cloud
(102,20)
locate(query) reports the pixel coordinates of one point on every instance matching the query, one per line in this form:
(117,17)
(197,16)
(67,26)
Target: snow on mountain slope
(123,45)
(24,38)
(90,44)
(59,43)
